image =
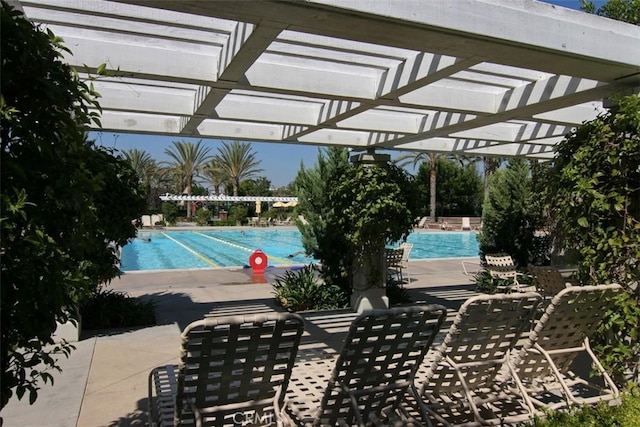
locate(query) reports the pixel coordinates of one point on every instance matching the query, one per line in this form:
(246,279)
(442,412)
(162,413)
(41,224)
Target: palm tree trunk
(236,185)
(188,194)
(432,185)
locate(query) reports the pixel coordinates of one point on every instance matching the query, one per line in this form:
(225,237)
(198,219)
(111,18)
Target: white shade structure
(473,77)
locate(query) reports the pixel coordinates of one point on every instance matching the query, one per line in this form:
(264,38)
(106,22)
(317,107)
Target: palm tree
(141,162)
(491,165)
(214,174)
(146,169)
(238,162)
(431,158)
(188,161)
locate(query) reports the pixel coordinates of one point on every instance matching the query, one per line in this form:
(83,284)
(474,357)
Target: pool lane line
(244,248)
(202,257)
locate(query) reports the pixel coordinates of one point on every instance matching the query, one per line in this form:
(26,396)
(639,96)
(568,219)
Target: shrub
(57,199)
(397,294)
(202,216)
(170,212)
(594,197)
(490,285)
(627,414)
(238,213)
(511,215)
(301,290)
(108,308)
(222,223)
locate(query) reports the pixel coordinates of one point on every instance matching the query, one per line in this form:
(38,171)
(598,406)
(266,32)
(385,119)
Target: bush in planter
(397,294)
(301,290)
(108,308)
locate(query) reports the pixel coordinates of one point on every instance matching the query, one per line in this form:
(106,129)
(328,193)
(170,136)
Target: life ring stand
(258,261)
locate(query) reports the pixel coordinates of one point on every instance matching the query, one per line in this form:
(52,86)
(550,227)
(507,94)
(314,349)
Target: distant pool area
(195,249)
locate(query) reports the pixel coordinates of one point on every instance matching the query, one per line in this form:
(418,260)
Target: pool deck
(104,381)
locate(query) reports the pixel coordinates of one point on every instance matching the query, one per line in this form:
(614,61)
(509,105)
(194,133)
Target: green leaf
(582,221)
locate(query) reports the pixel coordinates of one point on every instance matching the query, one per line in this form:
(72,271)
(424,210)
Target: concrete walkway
(104,381)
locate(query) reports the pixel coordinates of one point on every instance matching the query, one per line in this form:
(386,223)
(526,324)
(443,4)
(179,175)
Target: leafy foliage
(63,199)
(491,285)
(459,189)
(594,195)
(260,186)
(372,205)
(108,308)
(397,294)
(626,414)
(511,216)
(322,242)
(431,162)
(170,212)
(188,160)
(238,162)
(238,213)
(301,290)
(621,10)
(202,216)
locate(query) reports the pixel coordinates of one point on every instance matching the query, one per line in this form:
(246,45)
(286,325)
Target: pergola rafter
(478,77)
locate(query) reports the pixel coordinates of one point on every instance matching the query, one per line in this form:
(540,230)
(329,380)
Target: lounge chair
(544,364)
(373,373)
(228,366)
(155,219)
(464,381)
(466,224)
(146,221)
(472,269)
(393,259)
(423,222)
(502,267)
(404,261)
(548,280)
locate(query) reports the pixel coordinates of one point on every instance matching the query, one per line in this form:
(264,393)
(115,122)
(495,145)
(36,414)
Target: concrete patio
(104,382)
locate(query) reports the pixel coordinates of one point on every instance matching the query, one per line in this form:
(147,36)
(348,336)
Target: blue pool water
(172,250)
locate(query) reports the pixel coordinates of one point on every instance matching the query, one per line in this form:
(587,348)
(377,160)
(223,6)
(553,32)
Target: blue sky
(280,162)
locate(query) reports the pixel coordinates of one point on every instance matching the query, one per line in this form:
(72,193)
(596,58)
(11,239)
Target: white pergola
(473,77)
(225,198)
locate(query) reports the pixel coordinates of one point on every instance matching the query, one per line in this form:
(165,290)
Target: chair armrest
(196,412)
(354,403)
(469,272)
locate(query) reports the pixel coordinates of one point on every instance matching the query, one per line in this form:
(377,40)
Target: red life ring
(258,261)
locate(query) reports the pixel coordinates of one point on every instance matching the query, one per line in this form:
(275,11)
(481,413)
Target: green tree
(146,169)
(594,197)
(510,215)
(621,10)
(459,189)
(322,242)
(188,161)
(215,175)
(238,162)
(372,205)
(58,201)
(260,186)
(432,160)
(491,166)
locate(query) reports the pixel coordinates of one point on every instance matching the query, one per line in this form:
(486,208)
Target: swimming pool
(171,250)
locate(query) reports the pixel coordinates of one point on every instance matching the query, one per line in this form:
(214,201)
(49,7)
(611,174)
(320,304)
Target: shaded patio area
(104,382)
